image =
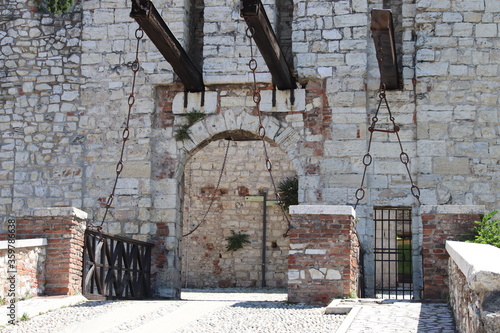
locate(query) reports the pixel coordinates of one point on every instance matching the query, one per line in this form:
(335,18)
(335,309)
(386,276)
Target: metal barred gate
(115,267)
(393,253)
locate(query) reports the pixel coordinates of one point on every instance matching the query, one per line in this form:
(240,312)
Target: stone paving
(241,311)
(379,316)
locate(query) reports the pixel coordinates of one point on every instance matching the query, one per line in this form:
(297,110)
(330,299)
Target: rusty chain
(252,64)
(139,34)
(367,158)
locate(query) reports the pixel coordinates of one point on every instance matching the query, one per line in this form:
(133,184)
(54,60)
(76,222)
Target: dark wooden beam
(148,18)
(255,16)
(383,37)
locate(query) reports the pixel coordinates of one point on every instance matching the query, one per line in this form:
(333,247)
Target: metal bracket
(385,46)
(148,18)
(255,16)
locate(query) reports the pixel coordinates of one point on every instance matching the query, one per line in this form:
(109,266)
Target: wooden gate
(115,267)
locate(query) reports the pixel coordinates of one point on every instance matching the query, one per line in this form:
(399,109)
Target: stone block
(451,165)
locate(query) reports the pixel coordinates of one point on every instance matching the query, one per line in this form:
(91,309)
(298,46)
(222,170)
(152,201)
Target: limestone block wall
(30,256)
(41,150)
(456,70)
(474,286)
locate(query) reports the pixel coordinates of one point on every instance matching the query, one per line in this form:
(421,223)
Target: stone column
(324,254)
(442,223)
(64,229)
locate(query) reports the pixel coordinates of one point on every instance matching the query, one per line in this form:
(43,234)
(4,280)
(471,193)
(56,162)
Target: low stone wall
(474,282)
(30,256)
(324,254)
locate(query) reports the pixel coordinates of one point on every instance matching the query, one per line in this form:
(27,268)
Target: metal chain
(139,34)
(252,64)
(367,158)
(212,200)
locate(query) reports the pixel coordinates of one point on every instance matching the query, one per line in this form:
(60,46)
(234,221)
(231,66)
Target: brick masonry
(438,227)
(30,260)
(323,262)
(206,262)
(64,230)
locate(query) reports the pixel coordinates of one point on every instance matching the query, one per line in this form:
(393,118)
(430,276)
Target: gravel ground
(248,310)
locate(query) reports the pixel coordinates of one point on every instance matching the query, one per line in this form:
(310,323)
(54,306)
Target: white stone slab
(452,209)
(322,209)
(53,211)
(478,262)
(34,242)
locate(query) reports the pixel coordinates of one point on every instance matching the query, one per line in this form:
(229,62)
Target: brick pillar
(64,228)
(442,223)
(324,254)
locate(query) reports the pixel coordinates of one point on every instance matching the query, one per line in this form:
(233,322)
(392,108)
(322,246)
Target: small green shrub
(25,317)
(236,241)
(289,192)
(193,116)
(487,230)
(56,6)
(182,133)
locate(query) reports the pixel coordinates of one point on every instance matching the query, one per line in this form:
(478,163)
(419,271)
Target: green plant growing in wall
(236,241)
(183,133)
(56,6)
(289,192)
(487,230)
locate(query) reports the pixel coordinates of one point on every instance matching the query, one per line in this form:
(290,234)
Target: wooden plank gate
(115,267)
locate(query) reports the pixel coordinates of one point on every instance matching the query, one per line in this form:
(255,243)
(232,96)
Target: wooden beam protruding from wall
(148,18)
(255,16)
(385,47)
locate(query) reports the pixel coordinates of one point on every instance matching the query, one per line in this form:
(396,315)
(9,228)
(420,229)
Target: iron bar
(146,15)
(256,18)
(385,47)
(264,238)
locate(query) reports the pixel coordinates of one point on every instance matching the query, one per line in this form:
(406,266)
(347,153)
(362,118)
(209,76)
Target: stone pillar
(64,229)
(324,254)
(442,223)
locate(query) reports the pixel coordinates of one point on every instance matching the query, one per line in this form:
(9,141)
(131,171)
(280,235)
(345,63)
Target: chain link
(252,64)
(367,158)
(139,34)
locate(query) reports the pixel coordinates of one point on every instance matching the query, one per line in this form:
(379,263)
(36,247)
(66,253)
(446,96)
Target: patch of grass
(24,317)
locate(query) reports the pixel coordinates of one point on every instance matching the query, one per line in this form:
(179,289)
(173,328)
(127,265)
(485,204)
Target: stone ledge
(322,210)
(452,209)
(52,211)
(24,243)
(477,262)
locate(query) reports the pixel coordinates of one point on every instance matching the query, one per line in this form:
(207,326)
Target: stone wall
(67,77)
(441,224)
(206,262)
(474,286)
(30,256)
